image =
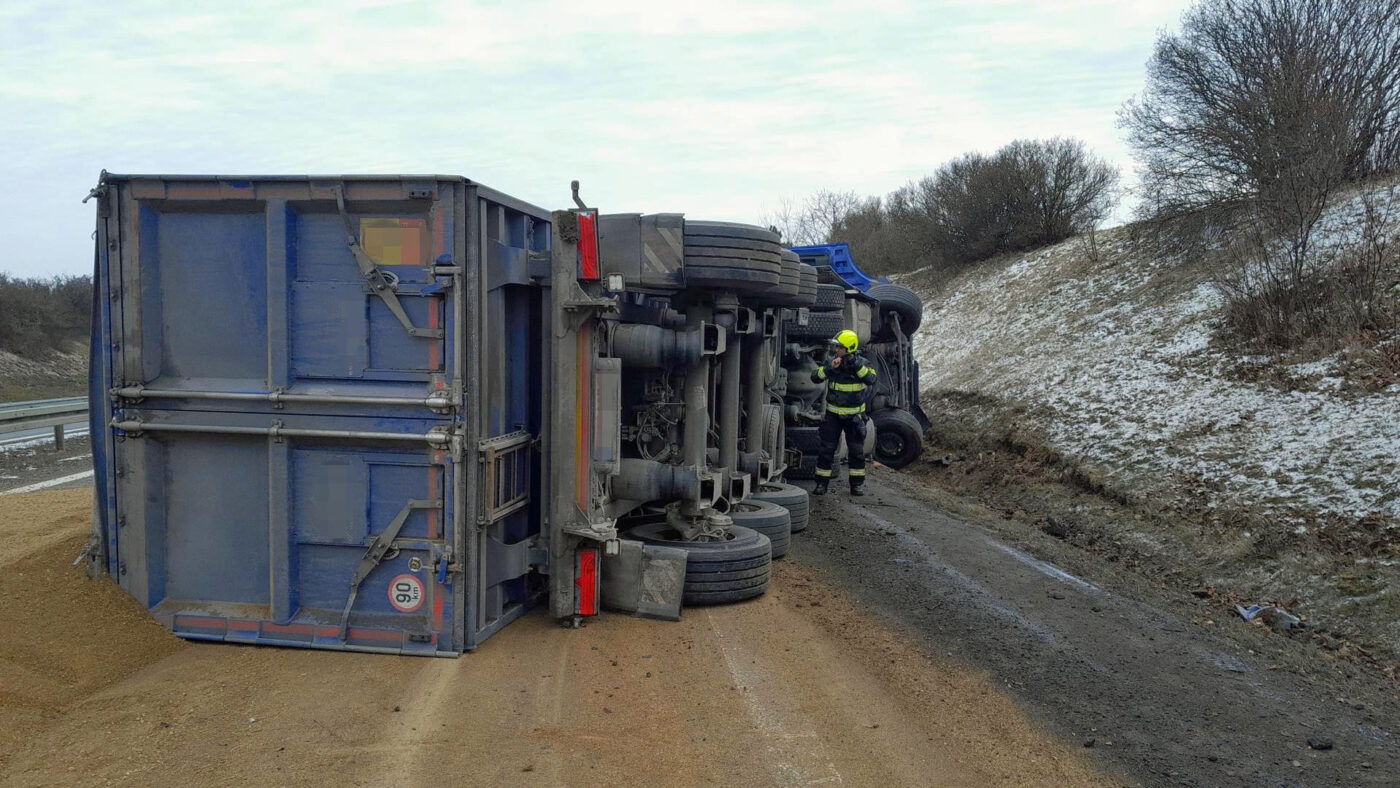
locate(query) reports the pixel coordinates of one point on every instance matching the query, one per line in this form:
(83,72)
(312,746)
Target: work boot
(858,488)
(820,489)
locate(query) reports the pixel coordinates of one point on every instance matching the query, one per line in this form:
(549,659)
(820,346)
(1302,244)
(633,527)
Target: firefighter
(848,379)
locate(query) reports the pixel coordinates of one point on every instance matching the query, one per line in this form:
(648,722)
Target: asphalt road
(1154,683)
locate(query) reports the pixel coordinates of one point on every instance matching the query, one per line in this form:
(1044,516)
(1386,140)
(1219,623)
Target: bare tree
(1251,91)
(783,220)
(1254,116)
(814,220)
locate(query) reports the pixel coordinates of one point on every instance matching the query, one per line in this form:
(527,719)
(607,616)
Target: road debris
(1275,617)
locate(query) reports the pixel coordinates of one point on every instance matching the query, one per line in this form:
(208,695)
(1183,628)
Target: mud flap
(648,580)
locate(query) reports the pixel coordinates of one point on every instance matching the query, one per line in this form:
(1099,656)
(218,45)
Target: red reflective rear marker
(587,582)
(588,245)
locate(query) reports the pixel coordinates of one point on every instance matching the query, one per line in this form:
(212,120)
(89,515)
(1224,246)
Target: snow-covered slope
(1116,362)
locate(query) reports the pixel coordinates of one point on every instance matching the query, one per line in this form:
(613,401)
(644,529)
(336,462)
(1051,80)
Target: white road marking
(50,483)
(967,585)
(1045,568)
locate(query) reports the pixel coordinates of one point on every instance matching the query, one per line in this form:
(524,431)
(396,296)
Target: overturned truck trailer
(394,413)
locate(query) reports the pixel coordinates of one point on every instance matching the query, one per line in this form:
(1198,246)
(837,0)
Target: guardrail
(40,413)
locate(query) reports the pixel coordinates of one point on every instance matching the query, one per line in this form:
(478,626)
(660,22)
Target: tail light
(586,600)
(588,245)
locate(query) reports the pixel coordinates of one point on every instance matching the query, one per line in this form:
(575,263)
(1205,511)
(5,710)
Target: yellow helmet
(848,340)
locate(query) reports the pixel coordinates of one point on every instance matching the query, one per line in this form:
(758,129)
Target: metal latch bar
(379,281)
(377,550)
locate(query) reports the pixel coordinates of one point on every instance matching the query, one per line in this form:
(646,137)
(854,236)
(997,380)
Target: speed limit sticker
(406,593)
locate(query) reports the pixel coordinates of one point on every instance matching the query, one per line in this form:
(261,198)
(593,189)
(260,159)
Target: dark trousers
(830,433)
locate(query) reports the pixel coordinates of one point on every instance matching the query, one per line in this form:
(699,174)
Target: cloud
(716,109)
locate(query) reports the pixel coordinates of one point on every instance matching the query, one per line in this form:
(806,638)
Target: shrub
(38,316)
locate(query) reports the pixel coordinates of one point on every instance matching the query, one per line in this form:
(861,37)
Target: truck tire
(902,301)
(830,298)
(899,439)
(748,232)
(772,428)
(807,285)
(820,325)
(742,258)
(744,244)
(768,518)
(768,259)
(788,496)
(728,274)
(717,572)
(804,439)
(789,282)
(804,469)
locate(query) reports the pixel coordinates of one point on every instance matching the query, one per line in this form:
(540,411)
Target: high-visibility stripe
(823,471)
(864,372)
(821,372)
(846,386)
(840,411)
(857,471)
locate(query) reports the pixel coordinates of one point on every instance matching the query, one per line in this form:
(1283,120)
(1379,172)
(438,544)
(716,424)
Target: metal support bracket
(380,282)
(377,549)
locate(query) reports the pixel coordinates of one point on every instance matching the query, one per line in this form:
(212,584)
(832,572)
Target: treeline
(39,316)
(1027,194)
(1254,116)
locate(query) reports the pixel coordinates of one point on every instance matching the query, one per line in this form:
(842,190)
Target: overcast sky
(718,109)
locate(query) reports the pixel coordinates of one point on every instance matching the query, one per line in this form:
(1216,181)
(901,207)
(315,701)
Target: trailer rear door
(286,419)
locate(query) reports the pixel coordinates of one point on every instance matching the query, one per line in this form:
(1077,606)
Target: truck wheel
(701,242)
(772,428)
(713,569)
(695,228)
(807,284)
(830,298)
(804,469)
(820,325)
(728,274)
(769,519)
(754,257)
(742,258)
(789,282)
(792,274)
(804,439)
(788,496)
(902,301)
(899,440)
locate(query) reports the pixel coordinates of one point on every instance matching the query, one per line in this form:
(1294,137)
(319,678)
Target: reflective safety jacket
(846,384)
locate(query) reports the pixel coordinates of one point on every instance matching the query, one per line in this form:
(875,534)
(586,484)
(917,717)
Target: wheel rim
(889,444)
